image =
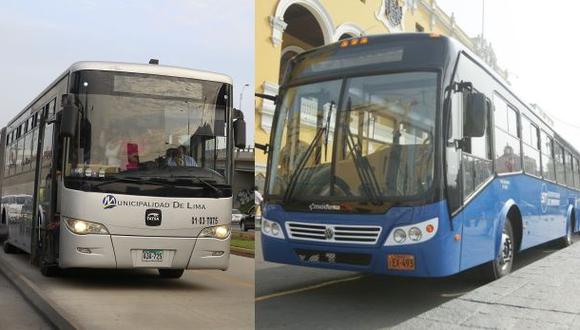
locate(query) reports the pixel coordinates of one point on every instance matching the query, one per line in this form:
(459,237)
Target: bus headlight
(413,234)
(82,227)
(219,232)
(272,229)
(399,236)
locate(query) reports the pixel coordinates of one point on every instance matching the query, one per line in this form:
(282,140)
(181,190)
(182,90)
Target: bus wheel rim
(506,253)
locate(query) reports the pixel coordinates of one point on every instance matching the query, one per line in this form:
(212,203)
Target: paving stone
(543,295)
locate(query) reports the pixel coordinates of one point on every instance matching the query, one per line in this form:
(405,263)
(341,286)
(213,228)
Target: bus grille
(333,233)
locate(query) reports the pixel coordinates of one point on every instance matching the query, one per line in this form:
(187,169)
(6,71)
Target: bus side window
(548,165)
(531,149)
(559,158)
(507,137)
(476,159)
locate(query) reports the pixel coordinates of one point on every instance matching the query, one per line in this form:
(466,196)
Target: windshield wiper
(115,179)
(171,179)
(302,164)
(363,168)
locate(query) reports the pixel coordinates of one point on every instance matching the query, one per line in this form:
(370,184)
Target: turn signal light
(429,228)
(354,42)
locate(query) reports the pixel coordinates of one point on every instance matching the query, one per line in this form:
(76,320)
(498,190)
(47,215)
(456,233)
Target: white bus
(123,166)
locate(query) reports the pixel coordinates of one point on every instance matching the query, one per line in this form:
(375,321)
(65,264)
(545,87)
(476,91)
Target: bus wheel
(170,273)
(567,239)
(502,265)
(10,249)
(49,269)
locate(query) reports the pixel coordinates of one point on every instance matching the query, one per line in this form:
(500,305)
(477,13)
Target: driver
(180,158)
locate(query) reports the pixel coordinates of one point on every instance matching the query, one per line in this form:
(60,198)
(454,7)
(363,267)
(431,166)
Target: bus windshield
(136,125)
(372,144)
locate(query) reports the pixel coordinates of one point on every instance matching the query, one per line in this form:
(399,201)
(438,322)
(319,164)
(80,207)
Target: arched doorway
(303,31)
(345,36)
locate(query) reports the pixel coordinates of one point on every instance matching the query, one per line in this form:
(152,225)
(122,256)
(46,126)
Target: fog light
(217,253)
(84,250)
(415,234)
(399,236)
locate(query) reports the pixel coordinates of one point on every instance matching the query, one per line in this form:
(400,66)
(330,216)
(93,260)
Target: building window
(394,12)
(419,28)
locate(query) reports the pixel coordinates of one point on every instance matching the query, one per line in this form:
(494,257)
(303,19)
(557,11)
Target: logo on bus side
(109,202)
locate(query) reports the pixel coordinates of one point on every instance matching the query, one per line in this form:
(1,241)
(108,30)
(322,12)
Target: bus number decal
(204,220)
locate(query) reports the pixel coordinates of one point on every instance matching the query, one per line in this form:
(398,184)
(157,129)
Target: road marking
(308,288)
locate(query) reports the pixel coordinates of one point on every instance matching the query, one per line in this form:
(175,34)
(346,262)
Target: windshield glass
(142,125)
(377,147)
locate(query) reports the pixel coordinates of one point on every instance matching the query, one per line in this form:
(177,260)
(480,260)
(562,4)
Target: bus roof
(162,70)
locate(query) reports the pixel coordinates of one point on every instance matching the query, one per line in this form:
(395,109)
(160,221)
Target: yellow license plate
(401,262)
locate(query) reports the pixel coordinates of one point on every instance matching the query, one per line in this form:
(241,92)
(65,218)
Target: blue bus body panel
(471,238)
(283,251)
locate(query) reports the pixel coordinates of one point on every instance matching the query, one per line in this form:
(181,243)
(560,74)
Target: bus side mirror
(70,116)
(264,147)
(240,133)
(475,115)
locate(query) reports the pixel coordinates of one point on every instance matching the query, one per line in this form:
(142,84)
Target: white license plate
(152,256)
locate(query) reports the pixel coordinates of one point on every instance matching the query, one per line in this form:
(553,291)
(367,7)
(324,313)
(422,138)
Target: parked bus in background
(404,154)
(115,165)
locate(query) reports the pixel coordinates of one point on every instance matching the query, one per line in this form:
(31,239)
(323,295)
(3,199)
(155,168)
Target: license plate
(401,262)
(152,256)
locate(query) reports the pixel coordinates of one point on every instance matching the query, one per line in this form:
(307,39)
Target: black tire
(170,273)
(567,239)
(503,262)
(49,269)
(10,249)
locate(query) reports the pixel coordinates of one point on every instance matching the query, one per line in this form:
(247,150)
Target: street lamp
(242,95)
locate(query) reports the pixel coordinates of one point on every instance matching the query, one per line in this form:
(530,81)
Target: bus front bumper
(437,257)
(126,252)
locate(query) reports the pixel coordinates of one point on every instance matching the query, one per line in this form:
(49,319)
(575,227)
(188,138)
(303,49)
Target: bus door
(45,231)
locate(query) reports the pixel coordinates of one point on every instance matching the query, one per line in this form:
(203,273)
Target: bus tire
(10,249)
(49,269)
(567,239)
(170,273)
(503,262)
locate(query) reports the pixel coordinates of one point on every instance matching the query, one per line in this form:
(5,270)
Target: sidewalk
(543,295)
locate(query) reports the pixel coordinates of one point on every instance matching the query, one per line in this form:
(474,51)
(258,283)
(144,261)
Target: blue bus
(405,154)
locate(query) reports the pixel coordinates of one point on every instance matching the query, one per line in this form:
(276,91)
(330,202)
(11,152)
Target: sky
(536,41)
(40,39)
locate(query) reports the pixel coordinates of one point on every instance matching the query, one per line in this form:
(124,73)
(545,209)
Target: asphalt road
(138,299)
(310,298)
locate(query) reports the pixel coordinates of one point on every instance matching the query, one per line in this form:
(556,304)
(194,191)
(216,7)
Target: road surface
(105,299)
(310,298)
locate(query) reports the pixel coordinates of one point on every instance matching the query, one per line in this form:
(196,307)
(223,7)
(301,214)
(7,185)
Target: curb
(33,294)
(242,252)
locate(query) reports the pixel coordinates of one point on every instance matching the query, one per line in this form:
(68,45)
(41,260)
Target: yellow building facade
(285,28)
